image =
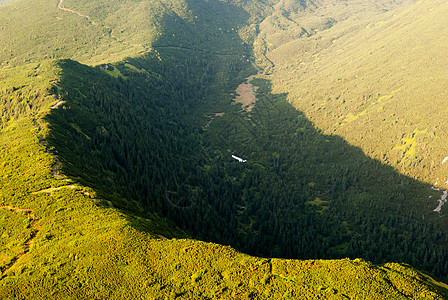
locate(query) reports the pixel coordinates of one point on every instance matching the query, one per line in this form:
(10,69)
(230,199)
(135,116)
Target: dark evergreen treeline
(140,138)
(310,195)
(143,137)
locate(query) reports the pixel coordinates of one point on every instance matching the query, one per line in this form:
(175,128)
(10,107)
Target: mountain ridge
(107,198)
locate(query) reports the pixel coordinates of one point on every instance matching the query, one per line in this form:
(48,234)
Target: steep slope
(96,32)
(74,245)
(92,157)
(371,79)
(381,86)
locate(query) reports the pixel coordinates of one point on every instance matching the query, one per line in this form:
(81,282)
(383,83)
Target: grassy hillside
(64,240)
(96,32)
(380,86)
(109,169)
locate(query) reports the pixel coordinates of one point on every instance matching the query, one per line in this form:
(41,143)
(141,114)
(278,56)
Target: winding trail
(34,230)
(33,225)
(51,190)
(59,6)
(72,11)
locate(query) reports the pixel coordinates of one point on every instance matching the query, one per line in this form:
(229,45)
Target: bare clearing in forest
(246,94)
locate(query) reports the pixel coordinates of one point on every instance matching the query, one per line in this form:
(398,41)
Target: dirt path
(59,6)
(72,11)
(33,225)
(34,230)
(51,190)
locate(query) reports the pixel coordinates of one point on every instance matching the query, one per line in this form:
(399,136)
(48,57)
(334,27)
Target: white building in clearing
(238,158)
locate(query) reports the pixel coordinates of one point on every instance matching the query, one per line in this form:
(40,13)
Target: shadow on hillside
(138,133)
(316,196)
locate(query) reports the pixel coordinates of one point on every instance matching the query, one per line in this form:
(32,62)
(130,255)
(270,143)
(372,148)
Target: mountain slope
(101,166)
(81,247)
(381,87)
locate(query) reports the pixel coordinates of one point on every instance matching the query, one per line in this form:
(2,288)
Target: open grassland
(96,32)
(379,84)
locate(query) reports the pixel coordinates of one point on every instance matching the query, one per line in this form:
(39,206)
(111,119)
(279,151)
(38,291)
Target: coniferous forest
(130,168)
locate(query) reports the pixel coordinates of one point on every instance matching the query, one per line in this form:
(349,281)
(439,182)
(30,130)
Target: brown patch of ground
(246,94)
(28,242)
(51,190)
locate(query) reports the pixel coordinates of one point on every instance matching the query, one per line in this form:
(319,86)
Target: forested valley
(155,135)
(301,194)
